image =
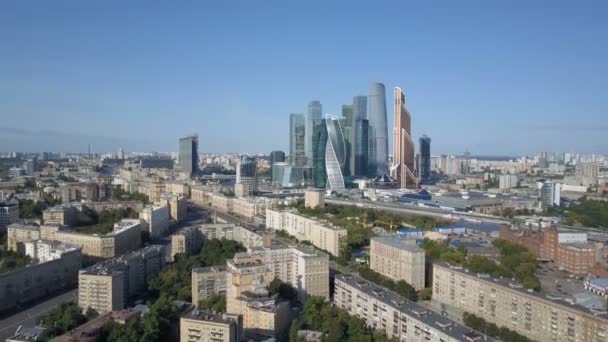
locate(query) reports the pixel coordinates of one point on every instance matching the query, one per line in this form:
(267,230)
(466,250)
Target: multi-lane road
(30,317)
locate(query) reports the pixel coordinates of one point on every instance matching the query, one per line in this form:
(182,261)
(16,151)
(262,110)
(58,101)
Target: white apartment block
(321,234)
(395,316)
(156,219)
(539,317)
(398,259)
(44,250)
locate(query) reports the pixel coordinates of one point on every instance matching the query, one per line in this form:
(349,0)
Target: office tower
(188,154)
(315,112)
(297,135)
(359,137)
(276,157)
(348,131)
(378,131)
(335,154)
(403,145)
(246,173)
(550,194)
(319,173)
(424,165)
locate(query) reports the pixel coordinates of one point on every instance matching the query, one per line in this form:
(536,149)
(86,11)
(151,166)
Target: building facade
(506,304)
(9,213)
(378,131)
(207,282)
(398,259)
(188,155)
(313,118)
(205,326)
(156,219)
(246,174)
(402,169)
(424,170)
(297,153)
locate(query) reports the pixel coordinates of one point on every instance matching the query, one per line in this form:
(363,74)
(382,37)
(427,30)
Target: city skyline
(462,75)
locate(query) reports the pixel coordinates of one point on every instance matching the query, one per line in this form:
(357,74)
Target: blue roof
(599,282)
(449,227)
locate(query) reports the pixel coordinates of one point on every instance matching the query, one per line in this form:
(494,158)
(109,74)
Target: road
(29,317)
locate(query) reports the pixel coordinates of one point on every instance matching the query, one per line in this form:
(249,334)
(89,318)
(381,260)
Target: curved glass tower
(335,154)
(378,131)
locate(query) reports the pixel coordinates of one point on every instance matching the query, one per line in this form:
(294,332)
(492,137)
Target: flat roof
(515,286)
(210,316)
(399,242)
(410,308)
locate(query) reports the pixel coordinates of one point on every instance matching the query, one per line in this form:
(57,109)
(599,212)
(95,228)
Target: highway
(29,318)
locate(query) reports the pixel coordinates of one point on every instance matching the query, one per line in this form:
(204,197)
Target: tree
(62,319)
(215,303)
(426,294)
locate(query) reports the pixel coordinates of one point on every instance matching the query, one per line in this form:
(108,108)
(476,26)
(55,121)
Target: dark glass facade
(188,154)
(425,158)
(319,144)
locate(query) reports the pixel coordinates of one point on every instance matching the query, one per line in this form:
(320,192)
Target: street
(29,317)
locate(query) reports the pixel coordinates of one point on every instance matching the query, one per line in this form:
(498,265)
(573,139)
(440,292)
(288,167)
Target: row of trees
(119,194)
(93,222)
(10,260)
(336,324)
(175,279)
(64,318)
(589,213)
(492,329)
(31,209)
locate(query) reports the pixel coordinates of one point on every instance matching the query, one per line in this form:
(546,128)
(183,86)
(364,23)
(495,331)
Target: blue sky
(492,78)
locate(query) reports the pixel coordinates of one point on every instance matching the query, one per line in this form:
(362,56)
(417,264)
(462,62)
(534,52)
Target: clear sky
(492,78)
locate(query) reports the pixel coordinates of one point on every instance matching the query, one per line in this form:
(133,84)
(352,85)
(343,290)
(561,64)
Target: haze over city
(489,78)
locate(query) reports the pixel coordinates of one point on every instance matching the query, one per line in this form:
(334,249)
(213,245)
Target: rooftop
(210,316)
(409,308)
(399,242)
(514,286)
(209,269)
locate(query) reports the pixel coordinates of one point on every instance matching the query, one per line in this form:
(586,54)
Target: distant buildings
(535,315)
(313,118)
(314,198)
(359,139)
(186,241)
(550,194)
(156,219)
(9,213)
(188,155)
(275,157)
(403,145)
(297,153)
(587,173)
(395,316)
(202,326)
(506,182)
(424,165)
(398,259)
(335,154)
(378,131)
(63,214)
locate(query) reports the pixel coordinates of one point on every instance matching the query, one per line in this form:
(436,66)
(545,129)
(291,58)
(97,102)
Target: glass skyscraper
(313,118)
(329,155)
(359,137)
(188,154)
(319,143)
(424,165)
(378,131)
(276,157)
(297,154)
(402,169)
(246,173)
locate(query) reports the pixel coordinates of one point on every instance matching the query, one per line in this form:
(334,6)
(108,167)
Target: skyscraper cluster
(327,150)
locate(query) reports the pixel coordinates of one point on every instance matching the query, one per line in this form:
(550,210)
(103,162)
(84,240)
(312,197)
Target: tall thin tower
(378,131)
(403,145)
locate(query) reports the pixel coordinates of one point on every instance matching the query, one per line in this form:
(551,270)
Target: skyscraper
(378,131)
(359,137)
(319,144)
(403,145)
(424,170)
(276,157)
(297,154)
(315,110)
(335,154)
(246,173)
(188,154)
(348,132)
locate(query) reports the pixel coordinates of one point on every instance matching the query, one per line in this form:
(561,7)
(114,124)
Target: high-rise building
(335,154)
(587,173)
(398,259)
(297,156)
(319,172)
(424,166)
(378,131)
(315,112)
(9,213)
(246,173)
(359,137)
(188,154)
(347,129)
(403,145)
(276,157)
(550,194)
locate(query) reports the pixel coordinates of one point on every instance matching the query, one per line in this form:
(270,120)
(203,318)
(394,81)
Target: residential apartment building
(248,207)
(537,316)
(186,241)
(245,273)
(321,234)
(221,202)
(9,213)
(208,281)
(107,286)
(398,259)
(156,219)
(570,251)
(63,214)
(33,282)
(395,316)
(178,205)
(314,198)
(126,237)
(204,326)
(250,237)
(45,250)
